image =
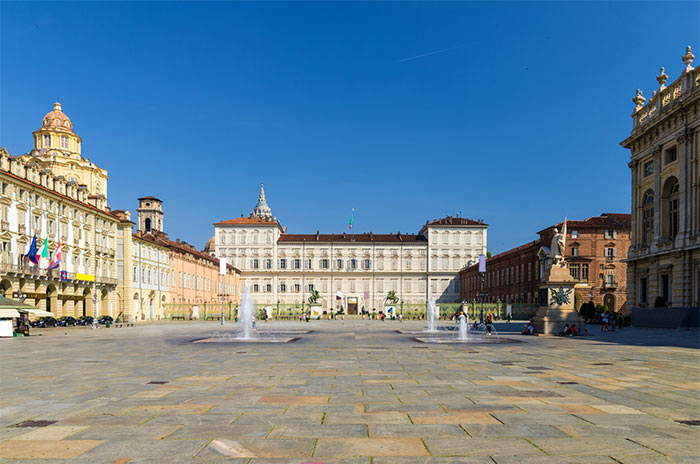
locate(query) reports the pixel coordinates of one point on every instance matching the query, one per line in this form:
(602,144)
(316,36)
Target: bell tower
(150,214)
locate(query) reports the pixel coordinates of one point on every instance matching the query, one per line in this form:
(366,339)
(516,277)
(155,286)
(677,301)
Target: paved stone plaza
(350,392)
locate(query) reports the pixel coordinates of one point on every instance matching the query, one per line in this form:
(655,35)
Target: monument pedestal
(556,303)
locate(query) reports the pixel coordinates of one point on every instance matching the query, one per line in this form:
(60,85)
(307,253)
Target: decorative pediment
(5,235)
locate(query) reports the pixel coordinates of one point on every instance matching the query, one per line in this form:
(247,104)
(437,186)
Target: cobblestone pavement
(352,392)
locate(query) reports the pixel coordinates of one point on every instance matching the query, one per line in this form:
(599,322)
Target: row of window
(436,287)
(670,155)
(63,142)
(669,212)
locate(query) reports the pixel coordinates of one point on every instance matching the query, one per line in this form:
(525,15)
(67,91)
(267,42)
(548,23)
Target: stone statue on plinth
(556,290)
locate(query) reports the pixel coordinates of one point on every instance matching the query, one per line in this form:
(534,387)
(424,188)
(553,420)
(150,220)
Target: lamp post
(94,307)
(19,296)
(482,272)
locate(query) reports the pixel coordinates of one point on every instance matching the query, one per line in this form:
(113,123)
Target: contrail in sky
(442,50)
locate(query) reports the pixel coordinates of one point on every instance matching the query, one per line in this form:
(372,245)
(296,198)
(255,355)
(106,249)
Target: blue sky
(510,112)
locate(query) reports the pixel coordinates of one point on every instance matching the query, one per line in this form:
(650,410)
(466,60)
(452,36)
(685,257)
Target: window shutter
(614,252)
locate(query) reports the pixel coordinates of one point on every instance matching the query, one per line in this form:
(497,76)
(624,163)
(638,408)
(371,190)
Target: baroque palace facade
(59,196)
(356,271)
(664,259)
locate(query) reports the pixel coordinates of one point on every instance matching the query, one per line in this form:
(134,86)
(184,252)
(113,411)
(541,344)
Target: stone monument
(556,289)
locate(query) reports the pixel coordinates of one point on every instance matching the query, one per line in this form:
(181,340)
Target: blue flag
(31,254)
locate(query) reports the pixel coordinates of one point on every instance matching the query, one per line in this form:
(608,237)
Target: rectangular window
(283,287)
(574,251)
(297,263)
(256,263)
(256,288)
(324,264)
(311,287)
(268,288)
(584,272)
(648,168)
(308,264)
(283,263)
(574,234)
(643,290)
(339,263)
(610,254)
(353,263)
(368,264)
(64,141)
(671,155)
(665,294)
(575,271)
(297,288)
(47,140)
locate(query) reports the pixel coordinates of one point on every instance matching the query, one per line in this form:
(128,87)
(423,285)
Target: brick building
(595,248)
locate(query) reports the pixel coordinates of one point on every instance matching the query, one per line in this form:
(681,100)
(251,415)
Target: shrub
(660,302)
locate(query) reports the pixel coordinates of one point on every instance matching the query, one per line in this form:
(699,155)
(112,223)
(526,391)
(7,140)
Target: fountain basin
(487,340)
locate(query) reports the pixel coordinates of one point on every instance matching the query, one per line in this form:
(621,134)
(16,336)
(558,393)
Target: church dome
(57,119)
(210,246)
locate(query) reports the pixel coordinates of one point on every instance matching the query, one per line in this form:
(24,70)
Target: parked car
(85,320)
(104,319)
(65,321)
(47,321)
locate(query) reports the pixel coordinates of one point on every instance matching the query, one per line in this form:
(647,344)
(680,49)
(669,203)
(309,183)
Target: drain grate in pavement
(694,422)
(157,382)
(32,423)
(567,383)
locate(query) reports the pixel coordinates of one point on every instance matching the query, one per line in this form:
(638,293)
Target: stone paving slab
(351,393)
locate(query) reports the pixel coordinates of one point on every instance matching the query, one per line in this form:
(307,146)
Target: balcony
(610,285)
(22,229)
(610,258)
(4,225)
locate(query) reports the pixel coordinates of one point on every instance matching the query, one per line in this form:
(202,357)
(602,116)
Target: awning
(6,303)
(36,312)
(6,312)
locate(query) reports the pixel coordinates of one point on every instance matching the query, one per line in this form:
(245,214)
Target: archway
(86,303)
(52,299)
(137,312)
(609,301)
(104,302)
(6,288)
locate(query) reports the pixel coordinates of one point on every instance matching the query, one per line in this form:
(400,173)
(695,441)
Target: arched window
(148,224)
(670,201)
(648,217)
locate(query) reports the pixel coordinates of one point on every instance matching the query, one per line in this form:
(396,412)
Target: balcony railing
(4,225)
(31,270)
(610,285)
(22,229)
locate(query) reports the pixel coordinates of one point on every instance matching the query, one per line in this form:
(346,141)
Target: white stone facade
(361,269)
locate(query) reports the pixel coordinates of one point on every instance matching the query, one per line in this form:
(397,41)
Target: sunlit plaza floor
(348,392)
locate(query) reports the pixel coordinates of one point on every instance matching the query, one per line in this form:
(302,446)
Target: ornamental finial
(661,79)
(638,100)
(688,59)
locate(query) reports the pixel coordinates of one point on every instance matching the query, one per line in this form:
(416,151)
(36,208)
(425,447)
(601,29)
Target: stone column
(685,181)
(657,199)
(634,167)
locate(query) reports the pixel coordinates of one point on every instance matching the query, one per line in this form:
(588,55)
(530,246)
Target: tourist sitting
(529,329)
(565,331)
(572,331)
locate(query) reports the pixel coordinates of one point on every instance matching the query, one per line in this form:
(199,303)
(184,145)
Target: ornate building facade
(664,259)
(353,270)
(37,198)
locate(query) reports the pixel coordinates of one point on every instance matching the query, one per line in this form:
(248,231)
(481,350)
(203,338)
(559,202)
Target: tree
(587,311)
(660,302)
(488,254)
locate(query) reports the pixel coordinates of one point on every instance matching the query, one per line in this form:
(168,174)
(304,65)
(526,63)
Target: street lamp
(482,272)
(19,296)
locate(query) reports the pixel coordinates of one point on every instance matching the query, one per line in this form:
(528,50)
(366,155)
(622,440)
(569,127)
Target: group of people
(610,321)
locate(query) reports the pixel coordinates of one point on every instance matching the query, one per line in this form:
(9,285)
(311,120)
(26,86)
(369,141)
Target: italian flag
(43,255)
(56,260)
(352,216)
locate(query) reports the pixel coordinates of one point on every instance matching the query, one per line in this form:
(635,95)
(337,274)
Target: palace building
(664,259)
(355,271)
(59,197)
